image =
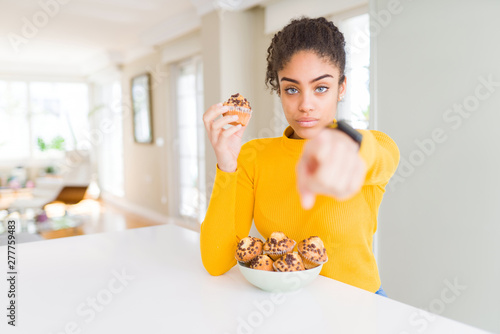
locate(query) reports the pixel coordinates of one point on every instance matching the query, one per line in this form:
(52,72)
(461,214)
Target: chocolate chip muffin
(289,262)
(248,248)
(261,262)
(313,252)
(277,245)
(239,106)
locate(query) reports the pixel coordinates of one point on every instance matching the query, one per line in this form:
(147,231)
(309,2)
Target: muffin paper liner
(241,109)
(309,264)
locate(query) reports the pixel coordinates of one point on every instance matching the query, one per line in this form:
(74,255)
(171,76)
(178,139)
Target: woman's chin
(306,133)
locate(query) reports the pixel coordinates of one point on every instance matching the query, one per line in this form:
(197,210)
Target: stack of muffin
(276,254)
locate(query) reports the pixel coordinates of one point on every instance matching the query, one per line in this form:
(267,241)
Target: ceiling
(78,37)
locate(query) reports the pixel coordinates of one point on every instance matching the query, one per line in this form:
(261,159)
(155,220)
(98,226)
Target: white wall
(440,221)
(279,13)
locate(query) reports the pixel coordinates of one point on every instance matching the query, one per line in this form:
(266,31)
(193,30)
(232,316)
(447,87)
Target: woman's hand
(330,165)
(226,142)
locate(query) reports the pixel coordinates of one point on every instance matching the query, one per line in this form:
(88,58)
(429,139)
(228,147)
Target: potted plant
(56,144)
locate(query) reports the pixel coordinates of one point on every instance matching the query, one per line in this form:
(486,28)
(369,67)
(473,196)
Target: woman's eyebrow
(288,79)
(321,77)
(313,80)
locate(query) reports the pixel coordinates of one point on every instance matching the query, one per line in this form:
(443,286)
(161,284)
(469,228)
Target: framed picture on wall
(141,107)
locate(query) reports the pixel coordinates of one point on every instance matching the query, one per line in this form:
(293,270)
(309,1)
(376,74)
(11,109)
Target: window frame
(111,109)
(338,20)
(175,188)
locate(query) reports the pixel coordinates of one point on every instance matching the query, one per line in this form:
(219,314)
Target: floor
(94,216)
(112,218)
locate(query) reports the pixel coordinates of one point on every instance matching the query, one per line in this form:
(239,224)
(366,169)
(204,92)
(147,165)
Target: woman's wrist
(348,130)
(228,168)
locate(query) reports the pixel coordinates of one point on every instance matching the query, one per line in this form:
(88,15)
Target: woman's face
(309,92)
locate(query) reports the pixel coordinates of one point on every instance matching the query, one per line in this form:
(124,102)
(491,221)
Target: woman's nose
(306,103)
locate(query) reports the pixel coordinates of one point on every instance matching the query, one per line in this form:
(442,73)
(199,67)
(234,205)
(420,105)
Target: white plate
(275,281)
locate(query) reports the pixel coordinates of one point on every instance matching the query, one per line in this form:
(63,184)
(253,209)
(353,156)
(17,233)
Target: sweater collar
(292,145)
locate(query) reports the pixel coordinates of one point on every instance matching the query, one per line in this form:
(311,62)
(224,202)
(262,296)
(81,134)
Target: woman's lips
(307,122)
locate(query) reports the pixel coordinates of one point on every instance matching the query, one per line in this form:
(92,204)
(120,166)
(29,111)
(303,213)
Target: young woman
(339,181)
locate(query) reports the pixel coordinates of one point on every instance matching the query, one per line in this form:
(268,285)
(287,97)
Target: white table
(151,280)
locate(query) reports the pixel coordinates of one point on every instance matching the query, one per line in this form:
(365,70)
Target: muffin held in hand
(248,248)
(277,245)
(289,262)
(240,107)
(261,262)
(313,252)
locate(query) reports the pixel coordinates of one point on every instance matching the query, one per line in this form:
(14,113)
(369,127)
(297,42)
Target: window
(42,120)
(14,126)
(189,139)
(355,108)
(107,120)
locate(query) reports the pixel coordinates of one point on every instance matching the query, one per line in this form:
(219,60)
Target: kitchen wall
(437,78)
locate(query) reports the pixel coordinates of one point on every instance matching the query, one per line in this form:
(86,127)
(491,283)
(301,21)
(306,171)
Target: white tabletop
(151,280)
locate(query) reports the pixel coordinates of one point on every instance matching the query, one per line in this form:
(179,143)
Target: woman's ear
(342,89)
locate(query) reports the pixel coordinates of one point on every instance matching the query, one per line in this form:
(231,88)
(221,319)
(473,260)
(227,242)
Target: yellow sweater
(264,188)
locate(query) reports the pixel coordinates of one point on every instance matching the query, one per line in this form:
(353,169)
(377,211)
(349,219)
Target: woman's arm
(381,156)
(229,215)
(230,210)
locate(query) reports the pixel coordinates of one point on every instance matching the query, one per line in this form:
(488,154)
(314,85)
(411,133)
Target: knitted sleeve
(229,214)
(381,155)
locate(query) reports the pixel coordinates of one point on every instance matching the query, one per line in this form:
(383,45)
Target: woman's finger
(212,113)
(217,127)
(335,171)
(208,115)
(320,148)
(330,166)
(231,131)
(223,121)
(307,197)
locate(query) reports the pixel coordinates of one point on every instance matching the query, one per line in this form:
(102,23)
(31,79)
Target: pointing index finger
(307,197)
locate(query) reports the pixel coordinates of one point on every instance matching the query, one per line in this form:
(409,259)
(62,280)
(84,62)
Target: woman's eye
(321,89)
(291,91)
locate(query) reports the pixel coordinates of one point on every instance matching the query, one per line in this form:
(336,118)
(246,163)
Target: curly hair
(305,34)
